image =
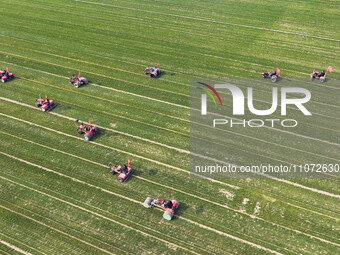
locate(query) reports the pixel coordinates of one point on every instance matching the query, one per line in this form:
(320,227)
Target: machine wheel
(3,80)
(148,202)
(88,137)
(273,78)
(312,78)
(322,79)
(76,85)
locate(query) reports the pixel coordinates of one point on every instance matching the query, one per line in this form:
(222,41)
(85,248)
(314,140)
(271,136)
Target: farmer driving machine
(6,75)
(273,76)
(153,71)
(45,104)
(124,172)
(78,81)
(316,75)
(169,206)
(89,130)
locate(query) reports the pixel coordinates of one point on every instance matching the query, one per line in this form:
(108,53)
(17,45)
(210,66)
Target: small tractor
(153,71)
(89,130)
(273,76)
(78,82)
(6,75)
(45,104)
(124,172)
(169,206)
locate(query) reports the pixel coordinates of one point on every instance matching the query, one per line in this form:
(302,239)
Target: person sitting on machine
(72,79)
(83,127)
(168,204)
(124,170)
(46,101)
(323,73)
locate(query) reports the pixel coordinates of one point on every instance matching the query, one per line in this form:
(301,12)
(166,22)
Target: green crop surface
(56,193)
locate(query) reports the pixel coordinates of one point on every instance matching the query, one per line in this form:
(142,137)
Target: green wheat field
(56,193)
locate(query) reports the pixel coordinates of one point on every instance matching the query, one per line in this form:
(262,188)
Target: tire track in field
(62,10)
(164,164)
(164,145)
(182,106)
(254,27)
(109,77)
(193,222)
(176,71)
(260,155)
(189,7)
(201,54)
(195,196)
(188,152)
(3,252)
(210,21)
(235,133)
(57,230)
(121,151)
(99,209)
(15,240)
(97,85)
(13,247)
(284,131)
(56,222)
(198,155)
(132,200)
(158,53)
(333,87)
(168,28)
(84,209)
(124,197)
(104,128)
(114,102)
(225,93)
(170,116)
(109,67)
(125,80)
(309,210)
(147,140)
(106,166)
(206,55)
